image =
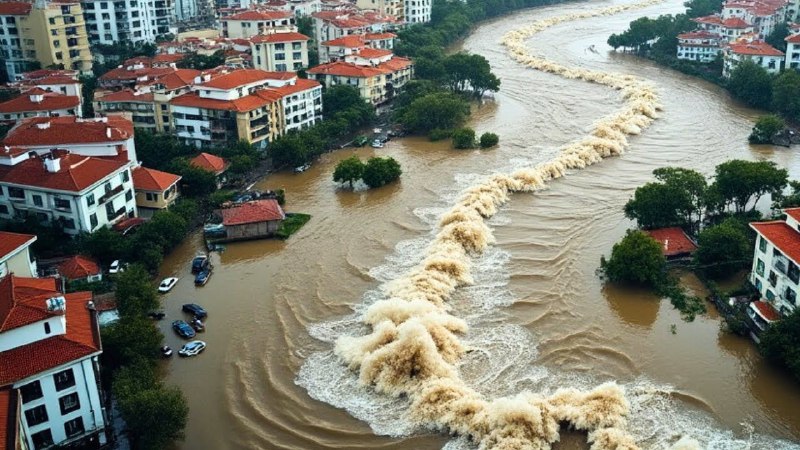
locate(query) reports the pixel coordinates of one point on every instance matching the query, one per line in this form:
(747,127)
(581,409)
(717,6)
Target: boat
(302,168)
(377,143)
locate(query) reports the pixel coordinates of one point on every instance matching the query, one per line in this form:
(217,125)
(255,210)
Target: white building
(331,25)
(417,11)
(792,52)
(302,103)
(136,21)
(49,373)
(247,24)
(37,102)
(189,9)
(389,7)
(15,255)
(280,51)
(758,52)
(776,261)
(701,46)
(81,193)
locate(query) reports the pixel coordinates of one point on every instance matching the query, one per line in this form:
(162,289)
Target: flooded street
(539,316)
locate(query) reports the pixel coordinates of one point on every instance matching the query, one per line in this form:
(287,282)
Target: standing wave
(414,343)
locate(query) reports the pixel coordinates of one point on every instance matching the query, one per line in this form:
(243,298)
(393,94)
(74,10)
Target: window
(93,220)
(791,295)
(128,195)
(74,427)
(68,223)
(296,46)
(64,379)
(37,200)
(46,328)
(63,204)
(69,403)
(770,295)
(793,272)
(152,197)
(31,392)
(762,244)
(3,209)
(760,267)
(90,200)
(42,439)
(124,176)
(280,47)
(36,415)
(280,56)
(15,192)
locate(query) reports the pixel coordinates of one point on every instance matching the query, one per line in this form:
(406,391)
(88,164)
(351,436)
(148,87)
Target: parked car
(116,267)
(198,325)
(202,278)
(377,143)
(183,329)
(192,348)
(167,284)
(195,309)
(200,263)
(166,351)
(302,168)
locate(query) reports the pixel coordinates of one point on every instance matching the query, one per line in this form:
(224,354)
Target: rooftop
(252,212)
(60,131)
(782,236)
(735,23)
(756,48)
(674,241)
(38,99)
(344,69)
(794,213)
(279,37)
(259,15)
(209,162)
(244,77)
(78,267)
(12,242)
(349,41)
(793,39)
(126,95)
(15,8)
(145,179)
(76,173)
(247,103)
(22,301)
(700,34)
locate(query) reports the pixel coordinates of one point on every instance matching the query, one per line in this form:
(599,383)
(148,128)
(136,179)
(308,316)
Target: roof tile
(252,212)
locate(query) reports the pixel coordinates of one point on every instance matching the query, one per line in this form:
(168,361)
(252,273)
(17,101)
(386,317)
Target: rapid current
(460,308)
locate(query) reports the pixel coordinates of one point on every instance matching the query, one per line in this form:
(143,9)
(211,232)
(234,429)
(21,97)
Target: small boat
(377,143)
(303,168)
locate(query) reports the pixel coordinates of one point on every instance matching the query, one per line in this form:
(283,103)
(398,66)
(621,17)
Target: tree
(489,140)
(348,170)
(765,128)
(380,171)
(779,343)
(158,151)
(699,8)
(135,294)
(202,62)
(439,110)
(693,186)
(129,340)
(165,229)
(88,85)
(778,36)
(464,138)
(723,249)
(104,245)
(637,259)
(786,94)
(739,183)
(657,205)
(464,71)
(752,84)
(195,182)
(155,417)
(340,98)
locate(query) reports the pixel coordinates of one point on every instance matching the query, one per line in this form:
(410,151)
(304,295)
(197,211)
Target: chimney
(108,132)
(52,164)
(37,98)
(43,125)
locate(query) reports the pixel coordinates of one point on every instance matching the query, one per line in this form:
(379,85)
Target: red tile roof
(126,95)
(794,39)
(77,172)
(240,77)
(8,418)
(349,41)
(370,53)
(710,20)
(81,340)
(252,212)
(766,310)
(165,58)
(68,130)
(178,79)
(674,241)
(11,242)
(207,161)
(15,8)
(301,84)
(22,301)
(247,103)
(78,267)
(51,101)
(145,179)
(757,48)
(736,23)
(344,69)
(700,34)
(396,63)
(379,36)
(259,15)
(794,213)
(782,236)
(279,37)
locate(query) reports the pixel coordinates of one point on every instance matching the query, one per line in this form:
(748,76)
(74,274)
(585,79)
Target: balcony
(116,214)
(110,194)
(780,263)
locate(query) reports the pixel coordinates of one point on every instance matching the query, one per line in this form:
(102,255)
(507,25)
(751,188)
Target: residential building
(252,220)
(280,51)
(211,163)
(80,193)
(140,106)
(49,369)
(301,100)
(393,8)
(340,48)
(701,46)
(758,52)
(675,244)
(80,268)
(194,11)
(250,23)
(155,190)
(417,11)
(37,102)
(377,74)
(302,8)
(16,256)
(792,60)
(132,71)
(110,136)
(135,21)
(330,25)
(50,33)
(776,261)
(63,81)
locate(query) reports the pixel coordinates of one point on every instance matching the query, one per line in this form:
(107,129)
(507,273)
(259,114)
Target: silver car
(192,348)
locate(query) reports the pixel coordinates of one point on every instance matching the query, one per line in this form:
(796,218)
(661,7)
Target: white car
(192,348)
(167,284)
(116,267)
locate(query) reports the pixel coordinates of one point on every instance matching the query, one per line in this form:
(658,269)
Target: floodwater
(539,317)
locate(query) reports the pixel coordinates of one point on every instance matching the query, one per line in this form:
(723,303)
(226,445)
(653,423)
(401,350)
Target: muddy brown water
(543,320)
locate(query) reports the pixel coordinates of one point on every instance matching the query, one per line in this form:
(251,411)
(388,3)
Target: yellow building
(155,190)
(54,34)
(386,7)
(15,255)
(377,74)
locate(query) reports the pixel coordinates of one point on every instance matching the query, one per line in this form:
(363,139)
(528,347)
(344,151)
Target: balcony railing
(110,194)
(116,214)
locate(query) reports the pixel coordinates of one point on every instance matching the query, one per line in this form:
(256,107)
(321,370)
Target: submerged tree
(637,259)
(348,170)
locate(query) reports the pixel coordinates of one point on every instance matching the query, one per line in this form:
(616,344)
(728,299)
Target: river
(539,316)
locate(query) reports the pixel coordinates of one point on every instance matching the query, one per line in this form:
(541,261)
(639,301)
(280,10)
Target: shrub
(489,140)
(438,134)
(765,128)
(637,259)
(380,171)
(779,343)
(464,138)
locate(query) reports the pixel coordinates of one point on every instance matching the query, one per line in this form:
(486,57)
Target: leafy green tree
(88,86)
(637,259)
(129,340)
(464,71)
(778,36)
(202,62)
(752,84)
(489,140)
(699,8)
(464,138)
(381,171)
(348,170)
(657,205)
(155,417)
(339,98)
(790,200)
(440,110)
(104,245)
(693,186)
(786,94)
(165,229)
(195,182)
(739,183)
(135,293)
(779,343)
(723,249)
(765,128)
(186,208)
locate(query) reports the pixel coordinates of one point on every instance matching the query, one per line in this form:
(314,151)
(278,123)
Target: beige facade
(387,7)
(18,261)
(263,124)
(55,35)
(280,52)
(157,199)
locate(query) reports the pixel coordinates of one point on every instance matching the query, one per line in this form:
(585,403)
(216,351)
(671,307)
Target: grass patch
(292,223)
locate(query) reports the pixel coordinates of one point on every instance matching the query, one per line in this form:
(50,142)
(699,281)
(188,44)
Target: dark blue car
(200,263)
(183,329)
(195,310)
(202,278)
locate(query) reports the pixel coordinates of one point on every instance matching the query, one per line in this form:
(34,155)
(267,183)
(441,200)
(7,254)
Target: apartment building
(301,100)
(701,46)
(758,52)
(416,11)
(63,81)
(344,46)
(393,8)
(280,51)
(135,21)
(49,368)
(38,102)
(377,74)
(139,106)
(331,25)
(43,32)
(250,23)
(776,261)
(792,60)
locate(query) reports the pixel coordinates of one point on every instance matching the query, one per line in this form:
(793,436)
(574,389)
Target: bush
(380,171)
(292,224)
(779,343)
(464,138)
(489,140)
(637,259)
(765,128)
(438,134)
(348,170)
(723,249)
